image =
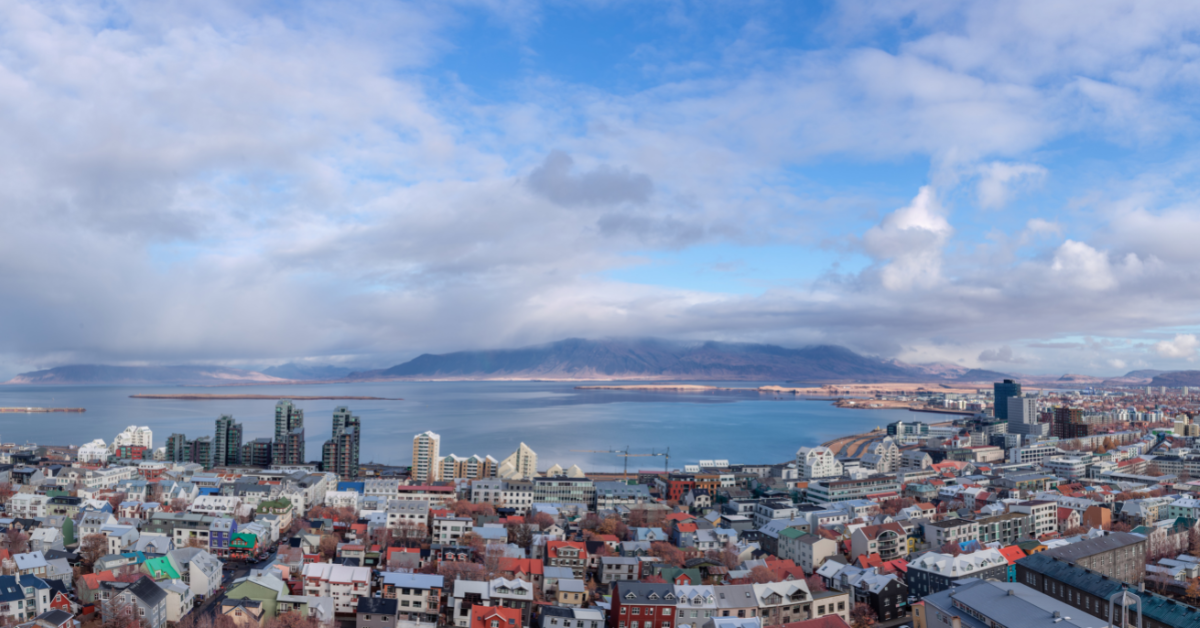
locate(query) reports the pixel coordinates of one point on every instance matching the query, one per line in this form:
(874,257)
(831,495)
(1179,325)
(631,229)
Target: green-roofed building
(160,569)
(242,545)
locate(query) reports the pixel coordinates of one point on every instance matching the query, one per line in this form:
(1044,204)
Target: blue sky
(1004,186)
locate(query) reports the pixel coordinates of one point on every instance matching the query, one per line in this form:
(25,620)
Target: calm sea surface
(472,418)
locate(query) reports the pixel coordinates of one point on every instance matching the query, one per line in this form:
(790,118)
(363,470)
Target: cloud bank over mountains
(249,183)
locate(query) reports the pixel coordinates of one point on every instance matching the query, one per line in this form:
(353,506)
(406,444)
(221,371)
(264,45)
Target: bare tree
(93,548)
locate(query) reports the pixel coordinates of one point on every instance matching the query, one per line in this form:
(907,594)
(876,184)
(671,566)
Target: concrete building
(814,463)
(1118,555)
(425,456)
(984,604)
(288,448)
(522,464)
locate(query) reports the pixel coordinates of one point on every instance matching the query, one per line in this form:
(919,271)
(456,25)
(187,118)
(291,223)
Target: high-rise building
(177,449)
(257,452)
(1023,418)
(1068,423)
(289,434)
(1002,391)
(340,453)
(425,456)
(201,451)
(227,445)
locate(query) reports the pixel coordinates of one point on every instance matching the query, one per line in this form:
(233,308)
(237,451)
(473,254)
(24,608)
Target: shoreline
(208,397)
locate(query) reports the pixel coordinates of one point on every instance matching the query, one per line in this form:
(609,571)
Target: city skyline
(999,188)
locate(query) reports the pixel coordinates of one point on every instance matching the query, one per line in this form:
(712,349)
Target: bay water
(485,418)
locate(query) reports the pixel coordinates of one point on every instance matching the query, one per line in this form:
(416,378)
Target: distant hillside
(1143,374)
(652,359)
(90,374)
(308,372)
(982,375)
(1176,378)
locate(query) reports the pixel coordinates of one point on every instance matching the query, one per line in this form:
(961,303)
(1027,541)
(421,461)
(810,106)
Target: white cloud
(1181,346)
(909,242)
(998,181)
(1082,266)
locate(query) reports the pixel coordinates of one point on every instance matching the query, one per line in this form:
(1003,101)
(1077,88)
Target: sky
(1009,186)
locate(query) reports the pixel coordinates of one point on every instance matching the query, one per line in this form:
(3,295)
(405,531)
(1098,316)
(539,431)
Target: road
(234,570)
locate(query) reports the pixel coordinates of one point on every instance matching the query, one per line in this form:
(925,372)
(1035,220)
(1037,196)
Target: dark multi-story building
(257,452)
(200,451)
(1090,592)
(177,448)
(1068,423)
(340,453)
(1002,392)
(227,446)
(1117,555)
(289,434)
(886,595)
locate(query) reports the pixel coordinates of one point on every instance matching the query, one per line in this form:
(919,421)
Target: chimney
(955,622)
(1010,592)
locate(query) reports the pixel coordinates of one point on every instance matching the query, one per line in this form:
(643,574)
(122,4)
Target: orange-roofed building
(91,584)
(570,554)
(527,569)
(495,617)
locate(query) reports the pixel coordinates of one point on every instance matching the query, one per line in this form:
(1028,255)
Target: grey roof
(644,593)
(377,605)
(412,580)
(1010,604)
(1156,607)
(571,585)
(1098,545)
(55,616)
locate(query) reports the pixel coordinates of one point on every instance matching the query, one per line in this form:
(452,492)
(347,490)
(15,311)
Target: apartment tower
(426,446)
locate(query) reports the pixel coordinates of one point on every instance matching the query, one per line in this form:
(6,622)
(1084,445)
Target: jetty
(36,410)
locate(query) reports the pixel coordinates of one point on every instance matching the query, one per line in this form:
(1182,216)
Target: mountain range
(609,359)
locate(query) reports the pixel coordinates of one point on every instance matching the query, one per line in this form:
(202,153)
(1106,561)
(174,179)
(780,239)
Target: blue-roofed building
(210,490)
(357,487)
(23,597)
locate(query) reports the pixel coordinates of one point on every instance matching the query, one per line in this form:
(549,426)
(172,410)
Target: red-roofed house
(527,569)
(826,621)
(1067,518)
(495,617)
(91,584)
(570,554)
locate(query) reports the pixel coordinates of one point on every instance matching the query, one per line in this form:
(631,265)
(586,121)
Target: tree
(655,579)
(6,492)
(816,584)
(863,616)
(453,570)
(473,541)
(950,548)
(178,504)
(761,574)
(668,553)
(196,542)
(541,520)
(16,541)
(1193,591)
(728,556)
(292,620)
(1121,526)
(1077,530)
(328,547)
(382,537)
(93,548)
(520,534)
(114,500)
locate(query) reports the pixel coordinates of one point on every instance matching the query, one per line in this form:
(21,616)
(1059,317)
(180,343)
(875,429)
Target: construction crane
(624,453)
